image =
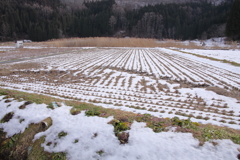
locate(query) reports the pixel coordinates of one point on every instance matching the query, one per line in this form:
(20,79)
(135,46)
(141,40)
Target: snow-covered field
(11,53)
(229,55)
(158,81)
(90,138)
(217,42)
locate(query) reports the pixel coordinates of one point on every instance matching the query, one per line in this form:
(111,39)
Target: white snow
(94,134)
(140,80)
(212,42)
(207,61)
(229,55)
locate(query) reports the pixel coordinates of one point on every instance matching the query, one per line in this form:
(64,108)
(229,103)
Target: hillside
(42,20)
(138,3)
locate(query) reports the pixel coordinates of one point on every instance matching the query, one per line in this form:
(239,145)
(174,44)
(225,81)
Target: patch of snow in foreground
(143,142)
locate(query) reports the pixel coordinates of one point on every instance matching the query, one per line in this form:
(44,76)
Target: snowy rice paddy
(229,55)
(161,82)
(10,53)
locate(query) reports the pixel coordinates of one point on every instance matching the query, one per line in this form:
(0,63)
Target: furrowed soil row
(138,80)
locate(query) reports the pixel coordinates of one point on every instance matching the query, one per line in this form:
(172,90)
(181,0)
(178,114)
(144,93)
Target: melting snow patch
(93,138)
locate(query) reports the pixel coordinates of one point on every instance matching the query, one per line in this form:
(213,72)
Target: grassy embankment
(122,122)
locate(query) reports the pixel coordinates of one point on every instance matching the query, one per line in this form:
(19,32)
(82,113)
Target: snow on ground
(87,136)
(208,61)
(229,55)
(212,42)
(140,80)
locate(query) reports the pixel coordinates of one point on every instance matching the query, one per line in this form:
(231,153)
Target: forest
(41,20)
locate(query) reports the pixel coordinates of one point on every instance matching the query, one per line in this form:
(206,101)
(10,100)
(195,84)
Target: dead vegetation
(102,42)
(30,52)
(131,42)
(21,146)
(224,92)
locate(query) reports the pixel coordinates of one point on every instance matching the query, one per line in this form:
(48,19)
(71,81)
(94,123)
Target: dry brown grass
(127,42)
(178,44)
(221,91)
(123,42)
(10,43)
(102,42)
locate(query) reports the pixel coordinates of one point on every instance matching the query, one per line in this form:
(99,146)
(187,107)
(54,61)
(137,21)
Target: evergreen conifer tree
(233,22)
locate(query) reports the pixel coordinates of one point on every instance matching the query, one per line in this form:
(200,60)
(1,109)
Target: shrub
(120,126)
(92,112)
(62,134)
(184,123)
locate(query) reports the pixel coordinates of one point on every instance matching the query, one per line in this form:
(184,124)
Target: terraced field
(157,81)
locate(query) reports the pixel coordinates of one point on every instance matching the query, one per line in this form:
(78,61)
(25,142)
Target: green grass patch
(37,152)
(50,105)
(3,93)
(93,112)
(59,156)
(37,98)
(21,146)
(208,132)
(100,152)
(80,106)
(200,131)
(75,111)
(120,126)
(9,142)
(62,134)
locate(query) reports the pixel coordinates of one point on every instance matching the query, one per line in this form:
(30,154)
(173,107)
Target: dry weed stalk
(102,42)
(130,42)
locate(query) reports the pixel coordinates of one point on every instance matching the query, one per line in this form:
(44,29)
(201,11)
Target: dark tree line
(180,21)
(41,20)
(233,22)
